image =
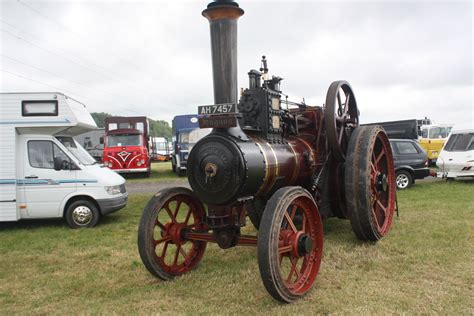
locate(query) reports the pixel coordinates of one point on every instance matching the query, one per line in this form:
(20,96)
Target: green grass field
(425,265)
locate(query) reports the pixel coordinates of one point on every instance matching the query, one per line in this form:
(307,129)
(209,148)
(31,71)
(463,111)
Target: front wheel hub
(305,245)
(382,183)
(174,232)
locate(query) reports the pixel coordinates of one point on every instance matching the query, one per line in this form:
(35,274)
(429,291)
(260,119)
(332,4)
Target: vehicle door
(424,140)
(45,188)
(396,158)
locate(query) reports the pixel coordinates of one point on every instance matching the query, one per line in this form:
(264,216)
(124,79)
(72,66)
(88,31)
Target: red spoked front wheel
(161,243)
(290,244)
(370,183)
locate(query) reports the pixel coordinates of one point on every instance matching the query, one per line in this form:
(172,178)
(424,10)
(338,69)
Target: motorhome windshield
(439,132)
(124,140)
(460,142)
(77,150)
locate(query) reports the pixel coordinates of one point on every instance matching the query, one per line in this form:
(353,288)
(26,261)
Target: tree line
(157,128)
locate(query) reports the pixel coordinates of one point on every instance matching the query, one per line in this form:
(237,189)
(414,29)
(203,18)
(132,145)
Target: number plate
(218,121)
(227,108)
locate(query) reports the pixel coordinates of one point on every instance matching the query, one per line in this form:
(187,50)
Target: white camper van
(44,172)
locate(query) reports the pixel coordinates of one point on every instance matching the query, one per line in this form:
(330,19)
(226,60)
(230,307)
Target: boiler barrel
(223,169)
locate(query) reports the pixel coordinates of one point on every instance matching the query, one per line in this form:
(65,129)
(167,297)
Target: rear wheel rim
(402,181)
(382,184)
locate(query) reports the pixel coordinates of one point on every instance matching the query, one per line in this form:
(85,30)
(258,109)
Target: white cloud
(404,59)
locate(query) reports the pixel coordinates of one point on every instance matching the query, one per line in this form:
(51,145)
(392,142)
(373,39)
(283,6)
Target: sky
(403,59)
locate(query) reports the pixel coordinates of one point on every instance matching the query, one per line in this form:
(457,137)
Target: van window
(76,150)
(184,137)
(41,154)
(140,126)
(439,132)
(39,108)
(460,142)
(424,133)
(125,125)
(406,148)
(124,140)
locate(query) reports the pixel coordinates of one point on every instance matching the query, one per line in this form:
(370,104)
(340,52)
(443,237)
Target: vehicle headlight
(142,161)
(186,157)
(434,152)
(113,189)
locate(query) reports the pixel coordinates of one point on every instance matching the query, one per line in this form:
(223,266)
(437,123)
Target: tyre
(404,179)
(289,252)
(82,213)
(180,172)
(161,244)
(370,183)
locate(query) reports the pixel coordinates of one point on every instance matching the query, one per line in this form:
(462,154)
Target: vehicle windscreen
(124,140)
(460,142)
(77,150)
(439,132)
(184,137)
(160,146)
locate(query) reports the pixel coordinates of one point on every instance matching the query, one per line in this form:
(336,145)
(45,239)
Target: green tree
(160,128)
(99,118)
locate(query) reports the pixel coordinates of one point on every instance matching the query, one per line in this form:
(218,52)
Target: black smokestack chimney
(223,16)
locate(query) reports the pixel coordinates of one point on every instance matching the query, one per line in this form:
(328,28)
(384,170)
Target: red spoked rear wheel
(290,244)
(161,243)
(370,183)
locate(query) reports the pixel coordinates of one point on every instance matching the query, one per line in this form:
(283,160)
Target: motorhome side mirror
(58,163)
(67,165)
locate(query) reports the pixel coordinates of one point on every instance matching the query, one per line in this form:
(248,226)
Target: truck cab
(186,133)
(181,126)
(49,173)
(126,148)
(432,139)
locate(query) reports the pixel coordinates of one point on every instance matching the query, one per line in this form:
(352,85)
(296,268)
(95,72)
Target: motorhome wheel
(82,213)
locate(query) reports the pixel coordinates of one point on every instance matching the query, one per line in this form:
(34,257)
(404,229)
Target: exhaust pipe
(223,16)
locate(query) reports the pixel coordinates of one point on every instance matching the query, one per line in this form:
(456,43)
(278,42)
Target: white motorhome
(456,160)
(44,172)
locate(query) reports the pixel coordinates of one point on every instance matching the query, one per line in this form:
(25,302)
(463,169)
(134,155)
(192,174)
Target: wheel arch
(75,198)
(406,168)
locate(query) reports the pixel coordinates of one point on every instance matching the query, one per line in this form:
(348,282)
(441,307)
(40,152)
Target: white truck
(44,172)
(159,148)
(93,142)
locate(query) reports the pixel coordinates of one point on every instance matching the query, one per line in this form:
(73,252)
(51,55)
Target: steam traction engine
(284,165)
